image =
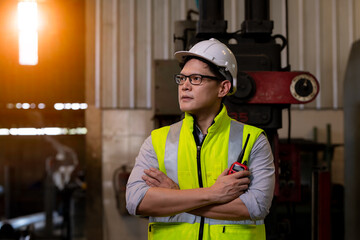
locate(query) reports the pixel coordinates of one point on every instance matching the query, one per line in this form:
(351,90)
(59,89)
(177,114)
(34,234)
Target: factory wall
(131,34)
(125,37)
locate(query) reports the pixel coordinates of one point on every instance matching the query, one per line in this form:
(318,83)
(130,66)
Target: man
(181,178)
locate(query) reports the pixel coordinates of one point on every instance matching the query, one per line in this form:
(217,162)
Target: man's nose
(187,84)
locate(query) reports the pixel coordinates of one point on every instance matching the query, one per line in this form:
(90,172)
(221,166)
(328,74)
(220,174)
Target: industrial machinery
(264,87)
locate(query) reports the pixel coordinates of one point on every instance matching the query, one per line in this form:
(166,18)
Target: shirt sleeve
(259,196)
(136,187)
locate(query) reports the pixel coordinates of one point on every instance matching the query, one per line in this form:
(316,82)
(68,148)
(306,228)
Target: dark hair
(213,68)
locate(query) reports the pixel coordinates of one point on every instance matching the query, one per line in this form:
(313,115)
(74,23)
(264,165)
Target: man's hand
(155,178)
(228,187)
(165,199)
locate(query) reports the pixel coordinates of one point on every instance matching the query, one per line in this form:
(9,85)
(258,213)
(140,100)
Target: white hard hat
(217,53)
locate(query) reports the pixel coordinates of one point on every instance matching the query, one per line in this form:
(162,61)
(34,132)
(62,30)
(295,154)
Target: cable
(289,126)
(287,33)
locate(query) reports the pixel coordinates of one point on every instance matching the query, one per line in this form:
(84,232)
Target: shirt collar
(218,120)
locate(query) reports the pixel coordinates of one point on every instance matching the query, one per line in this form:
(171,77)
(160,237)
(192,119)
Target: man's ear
(224,89)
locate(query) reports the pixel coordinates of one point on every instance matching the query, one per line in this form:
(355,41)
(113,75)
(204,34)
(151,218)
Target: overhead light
(43,131)
(4,131)
(59,106)
(26,105)
(41,105)
(18,105)
(28,35)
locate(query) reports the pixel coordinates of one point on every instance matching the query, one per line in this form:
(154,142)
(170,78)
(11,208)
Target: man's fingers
(242,192)
(150,184)
(241,174)
(151,174)
(225,172)
(154,182)
(244,180)
(154,169)
(243,183)
(154,173)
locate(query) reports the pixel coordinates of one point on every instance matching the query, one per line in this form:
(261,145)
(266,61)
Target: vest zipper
(199,166)
(202,220)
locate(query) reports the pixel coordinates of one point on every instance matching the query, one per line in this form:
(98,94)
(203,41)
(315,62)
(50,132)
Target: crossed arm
(220,201)
(163,198)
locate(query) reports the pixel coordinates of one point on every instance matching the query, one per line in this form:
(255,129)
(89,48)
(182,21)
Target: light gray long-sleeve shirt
(257,198)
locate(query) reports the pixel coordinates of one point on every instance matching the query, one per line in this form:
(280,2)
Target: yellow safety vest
(179,158)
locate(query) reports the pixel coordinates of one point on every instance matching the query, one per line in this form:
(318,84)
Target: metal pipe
(37,220)
(211,10)
(257,18)
(7,191)
(314,204)
(211,17)
(257,10)
(49,204)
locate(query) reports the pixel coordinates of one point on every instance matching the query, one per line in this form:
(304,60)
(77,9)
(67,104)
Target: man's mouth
(186,98)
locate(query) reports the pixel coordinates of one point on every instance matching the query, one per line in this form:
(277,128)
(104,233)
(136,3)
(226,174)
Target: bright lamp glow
(43,131)
(28,35)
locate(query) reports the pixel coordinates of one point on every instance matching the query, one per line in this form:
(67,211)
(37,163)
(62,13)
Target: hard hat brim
(182,55)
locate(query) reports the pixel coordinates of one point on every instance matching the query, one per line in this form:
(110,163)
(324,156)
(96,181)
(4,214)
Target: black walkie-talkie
(238,166)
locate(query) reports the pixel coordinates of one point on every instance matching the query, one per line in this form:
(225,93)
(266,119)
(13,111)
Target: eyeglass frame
(191,81)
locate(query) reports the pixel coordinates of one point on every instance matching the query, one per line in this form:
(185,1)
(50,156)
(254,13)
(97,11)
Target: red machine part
(289,181)
(274,87)
(323,209)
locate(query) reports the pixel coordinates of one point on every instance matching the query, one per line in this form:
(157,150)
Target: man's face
(198,99)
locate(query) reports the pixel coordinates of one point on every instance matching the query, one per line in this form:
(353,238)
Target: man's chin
(186,109)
